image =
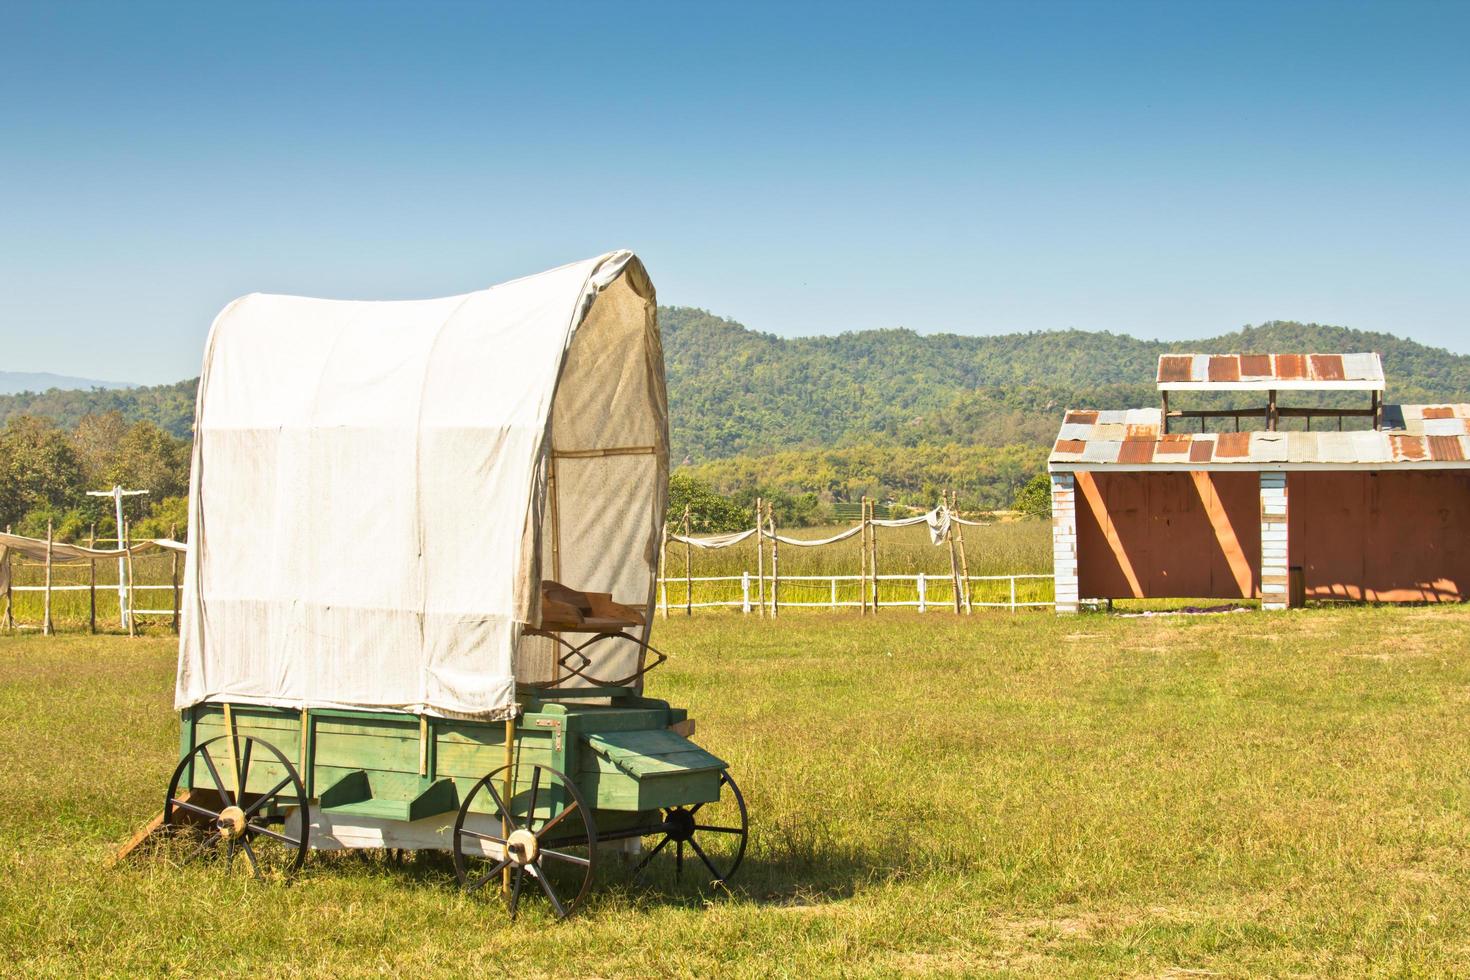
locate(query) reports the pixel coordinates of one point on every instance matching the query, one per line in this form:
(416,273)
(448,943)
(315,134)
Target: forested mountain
(884,412)
(733,391)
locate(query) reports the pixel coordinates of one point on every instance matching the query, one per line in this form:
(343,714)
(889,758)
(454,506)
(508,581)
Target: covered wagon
(423,546)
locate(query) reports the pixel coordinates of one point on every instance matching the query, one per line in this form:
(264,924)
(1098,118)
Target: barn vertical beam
(1064,540)
(1274,511)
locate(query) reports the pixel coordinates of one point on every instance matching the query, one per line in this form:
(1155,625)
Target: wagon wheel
(546,820)
(254,824)
(716,833)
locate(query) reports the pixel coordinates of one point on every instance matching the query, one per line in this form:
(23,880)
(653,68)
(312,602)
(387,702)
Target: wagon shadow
(774,883)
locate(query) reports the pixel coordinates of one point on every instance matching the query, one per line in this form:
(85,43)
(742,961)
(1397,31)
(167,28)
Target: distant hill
(15,382)
(170,407)
(738,392)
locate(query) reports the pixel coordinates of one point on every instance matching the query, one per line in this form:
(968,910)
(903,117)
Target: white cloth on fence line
(811,543)
(379,488)
(714,541)
(66,554)
(940,520)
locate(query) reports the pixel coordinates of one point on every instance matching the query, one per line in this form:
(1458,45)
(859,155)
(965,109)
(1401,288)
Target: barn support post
(46,611)
(1064,541)
(1274,510)
(92,581)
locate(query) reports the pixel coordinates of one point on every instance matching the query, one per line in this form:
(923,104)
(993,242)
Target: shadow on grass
(831,877)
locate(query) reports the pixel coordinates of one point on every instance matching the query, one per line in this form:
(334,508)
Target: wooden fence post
(688,567)
(173,531)
(863,558)
(46,612)
(873,551)
(954,559)
(127,533)
(92,581)
(959,534)
(919,584)
(9,595)
(745,593)
(663,566)
(775,562)
(760,553)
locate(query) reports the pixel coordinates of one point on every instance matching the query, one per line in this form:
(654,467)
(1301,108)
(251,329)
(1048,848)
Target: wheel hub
(522,847)
(231,822)
(679,824)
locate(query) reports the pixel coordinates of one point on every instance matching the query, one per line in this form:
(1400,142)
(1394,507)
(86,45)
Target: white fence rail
(749,602)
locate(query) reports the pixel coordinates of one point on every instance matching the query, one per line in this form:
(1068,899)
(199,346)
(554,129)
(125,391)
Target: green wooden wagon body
(622,756)
(334,779)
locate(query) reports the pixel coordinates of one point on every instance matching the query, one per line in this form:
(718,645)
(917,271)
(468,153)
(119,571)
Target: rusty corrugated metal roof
(1422,435)
(1285,372)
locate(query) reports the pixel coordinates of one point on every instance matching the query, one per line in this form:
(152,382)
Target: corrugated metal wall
(1359,535)
(1384,536)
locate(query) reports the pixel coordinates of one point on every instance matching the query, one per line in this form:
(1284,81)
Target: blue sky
(1167,170)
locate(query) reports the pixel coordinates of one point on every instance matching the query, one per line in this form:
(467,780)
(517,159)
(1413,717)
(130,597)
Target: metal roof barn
(1375,514)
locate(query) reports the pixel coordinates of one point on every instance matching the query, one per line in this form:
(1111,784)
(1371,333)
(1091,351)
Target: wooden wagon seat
(568,610)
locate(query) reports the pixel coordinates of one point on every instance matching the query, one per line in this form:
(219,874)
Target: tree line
(46,470)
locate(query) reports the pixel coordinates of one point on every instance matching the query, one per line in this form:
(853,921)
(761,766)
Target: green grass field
(1249,794)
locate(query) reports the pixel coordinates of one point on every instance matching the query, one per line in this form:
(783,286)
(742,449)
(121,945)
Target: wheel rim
(548,846)
(713,835)
(249,830)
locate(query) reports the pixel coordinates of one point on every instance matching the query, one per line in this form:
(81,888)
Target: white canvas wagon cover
(379,487)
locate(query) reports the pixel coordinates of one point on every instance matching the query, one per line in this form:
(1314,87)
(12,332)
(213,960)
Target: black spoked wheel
(223,818)
(541,831)
(714,833)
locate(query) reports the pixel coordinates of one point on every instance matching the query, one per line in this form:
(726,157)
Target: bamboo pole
(46,612)
(688,567)
(863,556)
(959,533)
(954,558)
(9,595)
(92,581)
(173,531)
(775,562)
(760,553)
(128,544)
